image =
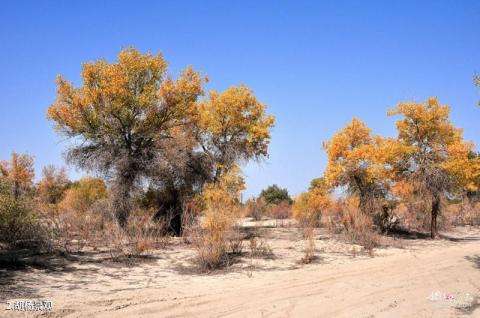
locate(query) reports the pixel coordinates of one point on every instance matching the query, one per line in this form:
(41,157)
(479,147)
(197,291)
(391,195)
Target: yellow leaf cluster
(432,143)
(309,206)
(354,153)
(237,119)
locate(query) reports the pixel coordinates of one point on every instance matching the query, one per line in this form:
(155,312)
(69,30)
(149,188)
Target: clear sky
(315,64)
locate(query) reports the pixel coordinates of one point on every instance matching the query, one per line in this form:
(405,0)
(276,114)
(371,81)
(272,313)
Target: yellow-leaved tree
(138,126)
(120,114)
(18,172)
(309,206)
(355,161)
(232,127)
(52,186)
(433,152)
(83,194)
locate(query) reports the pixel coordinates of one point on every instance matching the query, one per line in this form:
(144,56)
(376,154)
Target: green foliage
(275,195)
(17,221)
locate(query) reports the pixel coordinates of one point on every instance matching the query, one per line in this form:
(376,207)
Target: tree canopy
(274,195)
(135,124)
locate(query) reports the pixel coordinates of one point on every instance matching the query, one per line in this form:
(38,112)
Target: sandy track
(391,286)
(394,286)
(398,284)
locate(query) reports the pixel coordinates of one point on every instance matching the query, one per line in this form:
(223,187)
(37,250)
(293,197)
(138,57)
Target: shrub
(140,238)
(83,194)
(214,231)
(359,228)
(275,195)
(98,228)
(308,206)
(309,236)
(464,213)
(52,186)
(259,247)
(256,208)
(283,210)
(18,224)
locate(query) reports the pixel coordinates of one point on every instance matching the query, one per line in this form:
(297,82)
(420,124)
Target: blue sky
(316,64)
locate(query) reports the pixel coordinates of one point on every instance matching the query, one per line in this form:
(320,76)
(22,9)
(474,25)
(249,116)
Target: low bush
(310,247)
(256,208)
(19,226)
(465,213)
(282,210)
(214,234)
(358,227)
(309,206)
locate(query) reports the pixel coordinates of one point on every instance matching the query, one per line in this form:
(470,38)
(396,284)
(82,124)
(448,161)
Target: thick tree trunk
(435,212)
(121,200)
(171,213)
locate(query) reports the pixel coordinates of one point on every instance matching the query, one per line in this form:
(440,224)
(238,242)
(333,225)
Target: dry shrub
(141,237)
(259,247)
(464,213)
(72,230)
(308,207)
(412,213)
(359,228)
(332,218)
(214,233)
(235,240)
(97,228)
(214,237)
(256,208)
(283,210)
(190,218)
(309,237)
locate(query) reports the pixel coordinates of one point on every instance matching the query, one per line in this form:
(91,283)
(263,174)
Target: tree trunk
(121,200)
(435,212)
(170,211)
(16,190)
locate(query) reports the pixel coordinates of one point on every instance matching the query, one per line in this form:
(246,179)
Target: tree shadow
(407,234)
(470,308)
(475,259)
(459,239)
(17,266)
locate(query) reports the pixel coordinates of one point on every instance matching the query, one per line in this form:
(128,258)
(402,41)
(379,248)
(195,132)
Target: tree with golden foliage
(119,114)
(223,130)
(232,127)
(19,172)
(52,186)
(463,165)
(133,123)
(355,161)
(433,150)
(83,194)
(309,206)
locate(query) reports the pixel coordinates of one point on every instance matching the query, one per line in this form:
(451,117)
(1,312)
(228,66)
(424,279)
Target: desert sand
(407,278)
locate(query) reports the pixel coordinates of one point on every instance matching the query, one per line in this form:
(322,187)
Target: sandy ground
(410,278)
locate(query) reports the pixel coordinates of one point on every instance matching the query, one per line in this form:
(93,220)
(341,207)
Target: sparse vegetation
(215,235)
